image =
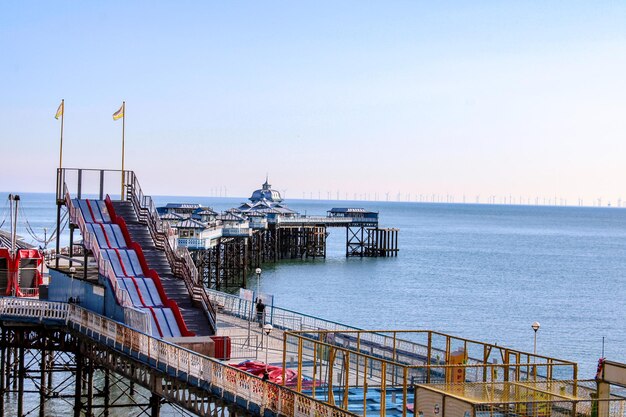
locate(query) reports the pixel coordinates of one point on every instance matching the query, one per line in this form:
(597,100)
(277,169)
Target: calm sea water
(485,272)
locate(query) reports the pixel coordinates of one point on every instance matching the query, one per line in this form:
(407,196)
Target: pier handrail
(314,219)
(138,318)
(386,344)
(329,221)
(180,261)
(282,318)
(191,368)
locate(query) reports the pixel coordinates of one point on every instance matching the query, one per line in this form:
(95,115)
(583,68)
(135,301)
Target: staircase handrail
(105,268)
(160,231)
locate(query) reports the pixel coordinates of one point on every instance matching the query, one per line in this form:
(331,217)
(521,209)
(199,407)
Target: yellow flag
(119,114)
(59,111)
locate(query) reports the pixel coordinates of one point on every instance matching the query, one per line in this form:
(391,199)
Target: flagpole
(61,148)
(123,129)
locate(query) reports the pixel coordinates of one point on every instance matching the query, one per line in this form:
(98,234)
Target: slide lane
(166,320)
(127,284)
(119,236)
(115,262)
(84,209)
(171,320)
(97,231)
(149,291)
(145,288)
(131,262)
(156,329)
(123,267)
(100,210)
(114,235)
(95,214)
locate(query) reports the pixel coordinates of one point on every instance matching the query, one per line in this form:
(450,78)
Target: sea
(483,272)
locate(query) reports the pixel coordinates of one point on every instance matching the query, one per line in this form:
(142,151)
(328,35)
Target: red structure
(20,274)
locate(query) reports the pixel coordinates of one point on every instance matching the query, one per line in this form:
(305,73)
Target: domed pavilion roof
(266,193)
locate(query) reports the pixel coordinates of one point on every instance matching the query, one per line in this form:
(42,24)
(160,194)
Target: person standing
(260,311)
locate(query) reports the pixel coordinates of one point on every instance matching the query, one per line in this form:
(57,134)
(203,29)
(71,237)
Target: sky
(360,98)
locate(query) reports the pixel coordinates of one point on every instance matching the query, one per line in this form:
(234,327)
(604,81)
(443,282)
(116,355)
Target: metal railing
(391,355)
(236,231)
(329,220)
(244,347)
(280,318)
(192,368)
(192,242)
(34,309)
(94,182)
(313,220)
(29,292)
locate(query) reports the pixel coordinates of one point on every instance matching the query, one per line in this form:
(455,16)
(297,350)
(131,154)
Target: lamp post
(267,329)
(258,281)
(535,327)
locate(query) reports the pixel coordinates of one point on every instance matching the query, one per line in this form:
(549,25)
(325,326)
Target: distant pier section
(227,246)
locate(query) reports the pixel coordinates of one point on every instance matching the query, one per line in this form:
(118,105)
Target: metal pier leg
(155,406)
(78,386)
(42,386)
(107,384)
(50,359)
(132,384)
(15,368)
(8,367)
(20,389)
(90,372)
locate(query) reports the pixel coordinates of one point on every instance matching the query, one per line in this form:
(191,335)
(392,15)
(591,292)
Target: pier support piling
(78,405)
(42,383)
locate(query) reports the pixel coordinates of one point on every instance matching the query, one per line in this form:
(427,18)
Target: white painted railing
(260,224)
(193,368)
(195,242)
(313,220)
(236,231)
(20,307)
(192,242)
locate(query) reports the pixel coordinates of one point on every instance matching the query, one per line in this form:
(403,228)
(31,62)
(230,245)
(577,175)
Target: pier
(227,247)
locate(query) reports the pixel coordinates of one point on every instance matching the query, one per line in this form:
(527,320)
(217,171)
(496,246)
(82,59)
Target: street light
(535,327)
(267,329)
(258,281)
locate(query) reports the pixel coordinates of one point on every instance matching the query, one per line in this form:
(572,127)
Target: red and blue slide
(129,265)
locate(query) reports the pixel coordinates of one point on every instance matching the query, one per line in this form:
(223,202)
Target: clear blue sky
(491,98)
